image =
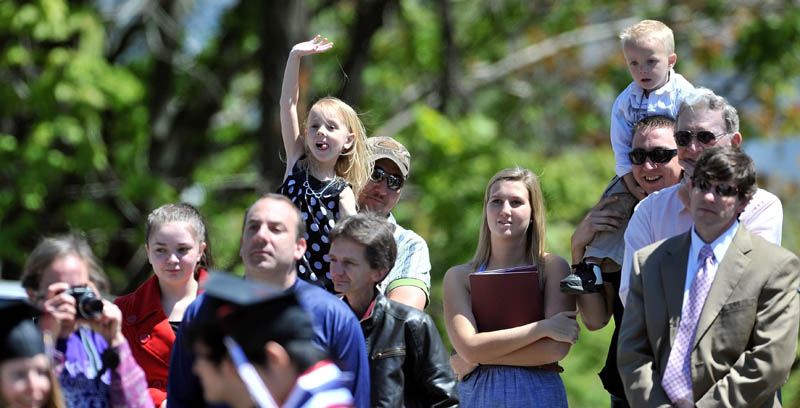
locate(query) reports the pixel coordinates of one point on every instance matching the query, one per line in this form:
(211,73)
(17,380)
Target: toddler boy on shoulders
(649,50)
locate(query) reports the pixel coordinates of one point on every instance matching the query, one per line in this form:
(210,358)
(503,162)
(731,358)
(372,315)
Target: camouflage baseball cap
(385,147)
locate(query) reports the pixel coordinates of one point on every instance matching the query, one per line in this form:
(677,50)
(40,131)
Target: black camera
(87,304)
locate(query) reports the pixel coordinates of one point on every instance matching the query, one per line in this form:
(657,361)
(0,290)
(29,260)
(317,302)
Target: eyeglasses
(658,155)
(722,190)
(684,137)
(393,181)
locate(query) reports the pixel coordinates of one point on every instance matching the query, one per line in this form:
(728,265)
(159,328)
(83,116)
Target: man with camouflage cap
(409,281)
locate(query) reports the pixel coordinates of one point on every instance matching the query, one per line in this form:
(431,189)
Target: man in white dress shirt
(704,119)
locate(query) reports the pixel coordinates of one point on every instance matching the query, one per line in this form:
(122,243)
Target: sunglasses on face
(722,190)
(658,155)
(393,181)
(684,137)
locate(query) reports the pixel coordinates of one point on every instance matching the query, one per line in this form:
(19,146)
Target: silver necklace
(319,195)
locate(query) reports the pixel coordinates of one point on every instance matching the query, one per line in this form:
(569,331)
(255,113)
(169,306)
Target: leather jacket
(408,364)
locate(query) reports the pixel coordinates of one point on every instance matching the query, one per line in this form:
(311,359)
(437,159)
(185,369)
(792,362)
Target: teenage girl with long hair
(511,367)
(177,247)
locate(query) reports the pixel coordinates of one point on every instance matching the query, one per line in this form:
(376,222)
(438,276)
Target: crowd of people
(682,249)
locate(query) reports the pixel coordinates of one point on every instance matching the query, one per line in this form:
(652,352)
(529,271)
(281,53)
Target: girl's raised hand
(315,46)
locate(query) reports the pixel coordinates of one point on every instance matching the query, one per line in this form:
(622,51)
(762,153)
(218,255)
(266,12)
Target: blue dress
(509,386)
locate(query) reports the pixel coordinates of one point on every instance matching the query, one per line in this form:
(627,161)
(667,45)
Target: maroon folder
(505,298)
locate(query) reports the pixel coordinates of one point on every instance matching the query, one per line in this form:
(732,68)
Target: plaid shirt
(413,264)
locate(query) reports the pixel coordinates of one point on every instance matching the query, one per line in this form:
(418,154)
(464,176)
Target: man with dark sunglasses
(409,281)
(599,237)
(704,120)
(712,313)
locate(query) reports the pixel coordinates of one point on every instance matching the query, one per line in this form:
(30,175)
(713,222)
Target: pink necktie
(677,380)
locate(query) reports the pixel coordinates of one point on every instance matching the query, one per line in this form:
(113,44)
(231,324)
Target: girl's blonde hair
(353,164)
(535,235)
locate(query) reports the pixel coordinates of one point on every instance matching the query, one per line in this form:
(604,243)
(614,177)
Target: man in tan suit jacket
(741,346)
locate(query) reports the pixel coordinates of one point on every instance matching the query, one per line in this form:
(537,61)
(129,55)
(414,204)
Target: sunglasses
(393,181)
(658,155)
(684,137)
(722,190)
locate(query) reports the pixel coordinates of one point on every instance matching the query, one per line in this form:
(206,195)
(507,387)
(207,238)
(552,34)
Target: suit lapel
(729,272)
(673,279)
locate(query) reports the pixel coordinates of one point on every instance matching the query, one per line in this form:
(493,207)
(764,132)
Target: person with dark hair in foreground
(243,325)
(408,363)
(176,246)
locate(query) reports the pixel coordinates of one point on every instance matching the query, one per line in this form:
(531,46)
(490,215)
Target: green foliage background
(103,118)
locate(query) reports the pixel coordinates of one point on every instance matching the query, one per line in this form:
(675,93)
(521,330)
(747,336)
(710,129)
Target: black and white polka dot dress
(318,202)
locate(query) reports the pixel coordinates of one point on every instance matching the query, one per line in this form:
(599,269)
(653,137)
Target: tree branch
(487,74)
(368,19)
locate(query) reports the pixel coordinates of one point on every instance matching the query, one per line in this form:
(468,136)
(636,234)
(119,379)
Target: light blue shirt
(413,264)
(719,246)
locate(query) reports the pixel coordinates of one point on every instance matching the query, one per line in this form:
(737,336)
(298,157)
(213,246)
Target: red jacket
(149,334)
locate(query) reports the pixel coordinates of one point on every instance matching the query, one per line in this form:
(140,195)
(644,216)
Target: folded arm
(462,328)
(482,348)
(541,352)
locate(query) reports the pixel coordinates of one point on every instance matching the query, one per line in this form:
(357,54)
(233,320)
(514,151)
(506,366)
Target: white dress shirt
(719,246)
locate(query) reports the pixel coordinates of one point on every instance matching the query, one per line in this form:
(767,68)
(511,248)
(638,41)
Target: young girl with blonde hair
(326,166)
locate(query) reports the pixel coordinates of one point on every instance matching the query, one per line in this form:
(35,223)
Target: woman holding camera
(175,241)
(94,364)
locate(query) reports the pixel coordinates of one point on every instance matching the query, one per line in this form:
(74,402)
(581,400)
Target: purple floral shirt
(84,382)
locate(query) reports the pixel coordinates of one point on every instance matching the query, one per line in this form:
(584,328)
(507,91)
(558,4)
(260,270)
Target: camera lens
(89,307)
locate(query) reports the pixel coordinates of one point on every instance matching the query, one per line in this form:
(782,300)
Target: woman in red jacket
(176,245)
